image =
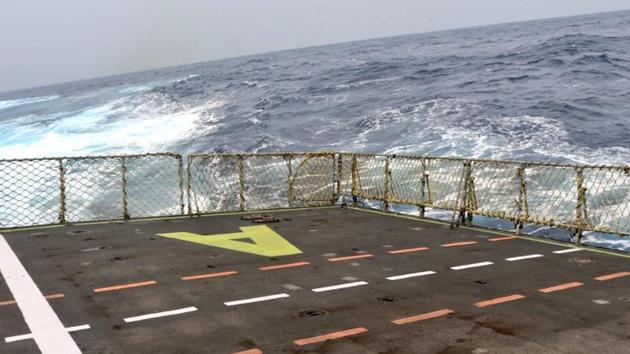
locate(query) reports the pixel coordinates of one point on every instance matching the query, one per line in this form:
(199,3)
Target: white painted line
(568,250)
(520,258)
(256,299)
(474,265)
(30,335)
(410,275)
(340,286)
(160,314)
(49,333)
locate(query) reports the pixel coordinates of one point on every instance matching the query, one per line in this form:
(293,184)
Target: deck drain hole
(482,282)
(216,256)
(313,313)
(580,260)
(211,266)
(625,298)
(388,299)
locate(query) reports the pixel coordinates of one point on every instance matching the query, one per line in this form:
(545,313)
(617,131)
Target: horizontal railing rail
(43,191)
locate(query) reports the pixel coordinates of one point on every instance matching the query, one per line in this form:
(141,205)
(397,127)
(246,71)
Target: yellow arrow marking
(266,241)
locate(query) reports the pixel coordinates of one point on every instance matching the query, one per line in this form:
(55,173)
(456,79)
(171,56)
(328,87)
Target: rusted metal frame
(62,192)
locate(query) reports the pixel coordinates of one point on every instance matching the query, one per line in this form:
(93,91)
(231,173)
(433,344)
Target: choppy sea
(550,90)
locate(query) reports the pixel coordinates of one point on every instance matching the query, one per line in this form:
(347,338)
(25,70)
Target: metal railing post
(355,172)
(62,192)
(423,184)
(580,207)
(180,172)
(523,207)
(290,179)
(388,177)
(125,206)
(241,180)
(459,210)
(339,174)
(189,184)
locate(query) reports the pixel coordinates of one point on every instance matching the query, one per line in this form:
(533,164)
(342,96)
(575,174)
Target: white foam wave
(24,101)
(115,127)
(459,127)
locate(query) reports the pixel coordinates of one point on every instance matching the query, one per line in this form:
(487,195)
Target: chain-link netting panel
(345,174)
(154,186)
(29,192)
(445,178)
(93,189)
(266,181)
(551,194)
(608,199)
(370,176)
(214,183)
(406,183)
(312,180)
(496,189)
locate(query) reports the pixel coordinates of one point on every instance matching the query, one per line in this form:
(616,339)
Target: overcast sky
(52,41)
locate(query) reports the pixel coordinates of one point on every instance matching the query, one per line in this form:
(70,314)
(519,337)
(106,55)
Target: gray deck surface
(67,260)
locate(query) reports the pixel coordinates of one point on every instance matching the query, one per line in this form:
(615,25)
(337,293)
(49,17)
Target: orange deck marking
(125,286)
(612,276)
(282,266)
(331,336)
(209,275)
(502,238)
(422,317)
(457,244)
(499,300)
(250,351)
(337,259)
(50,297)
(407,250)
(551,289)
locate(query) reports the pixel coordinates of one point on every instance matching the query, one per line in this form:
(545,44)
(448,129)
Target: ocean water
(550,90)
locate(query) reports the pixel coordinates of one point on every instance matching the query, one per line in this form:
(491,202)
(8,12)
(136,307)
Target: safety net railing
(576,197)
(81,189)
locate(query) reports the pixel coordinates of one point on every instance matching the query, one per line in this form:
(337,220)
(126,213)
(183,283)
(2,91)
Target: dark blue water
(551,90)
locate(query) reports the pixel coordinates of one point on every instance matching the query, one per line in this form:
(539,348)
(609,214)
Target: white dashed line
(49,333)
(160,314)
(30,335)
(256,299)
(340,286)
(474,265)
(410,275)
(568,250)
(520,258)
